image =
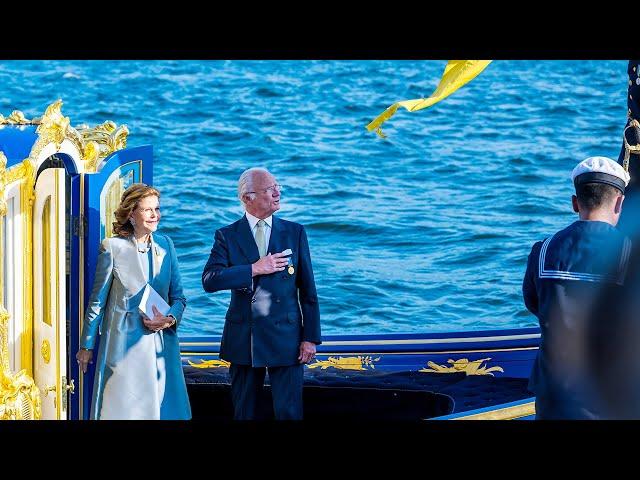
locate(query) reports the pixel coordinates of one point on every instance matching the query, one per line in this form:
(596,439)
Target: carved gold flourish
(19,395)
(45,350)
(53,128)
(102,140)
(209,364)
(16,172)
(17,118)
(93,144)
(474,367)
(346,363)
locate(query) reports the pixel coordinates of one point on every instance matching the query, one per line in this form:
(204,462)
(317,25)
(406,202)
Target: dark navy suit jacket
(269,315)
(566,275)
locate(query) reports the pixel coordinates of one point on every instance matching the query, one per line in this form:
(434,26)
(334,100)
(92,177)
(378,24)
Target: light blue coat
(138,372)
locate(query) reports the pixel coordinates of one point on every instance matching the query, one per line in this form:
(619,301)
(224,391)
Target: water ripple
(428,230)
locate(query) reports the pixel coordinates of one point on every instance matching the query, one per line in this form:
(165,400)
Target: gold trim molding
(27,197)
(474,367)
(3,183)
(507,413)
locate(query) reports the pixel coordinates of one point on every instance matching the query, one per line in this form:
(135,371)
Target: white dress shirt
(253,223)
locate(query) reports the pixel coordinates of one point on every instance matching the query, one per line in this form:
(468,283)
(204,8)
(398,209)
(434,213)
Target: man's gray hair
(245,182)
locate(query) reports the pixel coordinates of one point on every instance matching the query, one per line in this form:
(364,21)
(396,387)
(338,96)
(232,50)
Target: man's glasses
(270,189)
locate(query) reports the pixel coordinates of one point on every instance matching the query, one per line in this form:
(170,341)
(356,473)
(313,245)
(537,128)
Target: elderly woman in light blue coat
(138,369)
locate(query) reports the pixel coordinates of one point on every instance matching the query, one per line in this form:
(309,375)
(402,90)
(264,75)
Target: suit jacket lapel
(275,240)
(245,240)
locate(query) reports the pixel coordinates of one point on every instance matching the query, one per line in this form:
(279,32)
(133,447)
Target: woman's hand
(158,322)
(84,358)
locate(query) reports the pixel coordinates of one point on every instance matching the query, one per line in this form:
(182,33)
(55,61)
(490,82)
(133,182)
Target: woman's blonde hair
(128,203)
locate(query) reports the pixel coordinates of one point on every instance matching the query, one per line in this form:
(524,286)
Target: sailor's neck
(597,216)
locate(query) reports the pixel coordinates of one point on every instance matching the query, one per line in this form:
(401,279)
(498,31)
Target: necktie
(260,238)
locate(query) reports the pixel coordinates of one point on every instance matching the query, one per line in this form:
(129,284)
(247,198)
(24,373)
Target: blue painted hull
(456,374)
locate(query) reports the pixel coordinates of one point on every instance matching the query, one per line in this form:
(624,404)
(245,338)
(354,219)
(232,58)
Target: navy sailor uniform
(564,277)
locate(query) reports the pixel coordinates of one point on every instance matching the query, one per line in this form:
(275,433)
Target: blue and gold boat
(59,187)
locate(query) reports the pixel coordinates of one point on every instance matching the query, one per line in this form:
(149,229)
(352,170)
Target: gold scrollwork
(19,395)
(17,118)
(346,363)
(53,126)
(93,144)
(474,367)
(18,172)
(209,364)
(45,350)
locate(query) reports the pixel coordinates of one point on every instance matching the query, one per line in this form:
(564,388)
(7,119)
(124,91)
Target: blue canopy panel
(16,142)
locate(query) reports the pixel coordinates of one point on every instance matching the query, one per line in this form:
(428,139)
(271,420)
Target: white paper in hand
(150,298)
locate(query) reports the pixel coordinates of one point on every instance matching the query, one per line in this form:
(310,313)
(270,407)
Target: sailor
(564,276)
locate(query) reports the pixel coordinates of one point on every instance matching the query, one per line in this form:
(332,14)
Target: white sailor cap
(600,170)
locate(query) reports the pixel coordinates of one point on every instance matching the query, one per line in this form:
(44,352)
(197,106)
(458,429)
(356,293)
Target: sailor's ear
(574,201)
(618,206)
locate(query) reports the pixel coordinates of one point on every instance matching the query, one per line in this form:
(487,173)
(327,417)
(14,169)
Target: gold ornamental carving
(19,172)
(53,127)
(45,351)
(346,363)
(210,364)
(17,118)
(94,144)
(102,140)
(474,367)
(19,395)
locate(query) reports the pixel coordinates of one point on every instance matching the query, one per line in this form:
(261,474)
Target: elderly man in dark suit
(273,320)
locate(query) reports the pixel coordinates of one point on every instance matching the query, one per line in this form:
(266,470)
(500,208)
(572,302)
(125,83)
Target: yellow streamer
(456,74)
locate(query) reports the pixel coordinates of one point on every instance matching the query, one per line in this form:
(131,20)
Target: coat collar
(157,256)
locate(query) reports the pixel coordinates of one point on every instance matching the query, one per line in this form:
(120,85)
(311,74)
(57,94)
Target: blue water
(428,230)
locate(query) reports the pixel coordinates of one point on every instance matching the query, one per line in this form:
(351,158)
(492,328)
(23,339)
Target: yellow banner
(456,74)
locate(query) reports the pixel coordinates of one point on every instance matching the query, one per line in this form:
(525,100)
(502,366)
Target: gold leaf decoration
(19,395)
(346,363)
(474,367)
(93,144)
(209,364)
(18,118)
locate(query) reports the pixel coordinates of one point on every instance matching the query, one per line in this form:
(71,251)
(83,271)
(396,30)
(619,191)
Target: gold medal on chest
(290,270)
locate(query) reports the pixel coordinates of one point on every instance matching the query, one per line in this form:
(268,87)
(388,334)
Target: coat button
(277,300)
(253,300)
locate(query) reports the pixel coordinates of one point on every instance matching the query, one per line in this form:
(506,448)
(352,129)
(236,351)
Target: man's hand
(269,264)
(158,322)
(84,358)
(307,352)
